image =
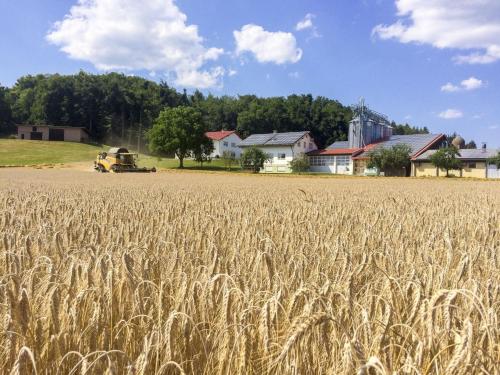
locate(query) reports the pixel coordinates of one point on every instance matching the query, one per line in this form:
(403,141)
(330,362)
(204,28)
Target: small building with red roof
(336,159)
(224,140)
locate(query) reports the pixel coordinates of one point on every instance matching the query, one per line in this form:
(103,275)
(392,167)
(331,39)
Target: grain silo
(367,126)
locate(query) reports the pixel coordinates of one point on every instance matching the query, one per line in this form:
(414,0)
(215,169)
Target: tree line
(120,109)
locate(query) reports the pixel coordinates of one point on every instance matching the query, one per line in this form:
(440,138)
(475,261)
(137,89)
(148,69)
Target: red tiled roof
(335,151)
(217,136)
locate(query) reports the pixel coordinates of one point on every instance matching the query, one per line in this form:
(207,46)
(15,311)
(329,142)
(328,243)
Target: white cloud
(458,24)
(472,84)
(275,47)
(294,75)
(305,23)
(493,127)
(469,84)
(450,87)
(232,72)
(135,35)
(201,79)
(450,114)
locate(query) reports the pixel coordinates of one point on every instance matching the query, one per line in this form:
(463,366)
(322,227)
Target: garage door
(56,134)
(36,136)
(493,171)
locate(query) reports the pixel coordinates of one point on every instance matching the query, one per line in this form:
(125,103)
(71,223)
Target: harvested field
(235,274)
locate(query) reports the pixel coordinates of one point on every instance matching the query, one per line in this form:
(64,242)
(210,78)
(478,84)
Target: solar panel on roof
(415,141)
(273,139)
(464,154)
(339,144)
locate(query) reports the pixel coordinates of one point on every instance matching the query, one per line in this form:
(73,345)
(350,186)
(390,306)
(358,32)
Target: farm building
(282,148)
(368,131)
(418,143)
(52,133)
(336,159)
(224,140)
(474,164)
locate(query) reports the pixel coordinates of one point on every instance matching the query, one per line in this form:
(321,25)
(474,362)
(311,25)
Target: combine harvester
(119,160)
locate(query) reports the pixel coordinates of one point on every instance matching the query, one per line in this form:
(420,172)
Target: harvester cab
(119,160)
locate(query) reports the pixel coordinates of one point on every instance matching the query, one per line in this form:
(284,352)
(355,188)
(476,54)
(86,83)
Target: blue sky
(433,63)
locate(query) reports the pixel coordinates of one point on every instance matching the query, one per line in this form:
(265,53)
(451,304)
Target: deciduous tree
(178,131)
(391,160)
(300,164)
(446,158)
(253,158)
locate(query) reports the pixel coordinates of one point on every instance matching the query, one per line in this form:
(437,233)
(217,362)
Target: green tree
(446,158)
(471,145)
(300,164)
(400,129)
(6,125)
(253,158)
(228,158)
(178,131)
(495,160)
(391,160)
(202,152)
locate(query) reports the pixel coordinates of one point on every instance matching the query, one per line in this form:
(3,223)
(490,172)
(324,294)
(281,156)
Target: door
(56,134)
(36,136)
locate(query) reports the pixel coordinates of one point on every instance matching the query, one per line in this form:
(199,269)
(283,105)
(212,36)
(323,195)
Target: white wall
(232,142)
(493,171)
(304,145)
(332,165)
(275,150)
(278,164)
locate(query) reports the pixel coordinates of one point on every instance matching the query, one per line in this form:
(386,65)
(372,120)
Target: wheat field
(192,273)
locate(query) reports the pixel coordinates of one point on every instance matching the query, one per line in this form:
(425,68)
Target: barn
(52,133)
(474,164)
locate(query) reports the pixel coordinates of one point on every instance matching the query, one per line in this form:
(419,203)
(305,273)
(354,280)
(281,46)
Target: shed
(52,133)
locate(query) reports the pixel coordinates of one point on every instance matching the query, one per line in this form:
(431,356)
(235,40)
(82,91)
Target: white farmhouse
(281,147)
(224,140)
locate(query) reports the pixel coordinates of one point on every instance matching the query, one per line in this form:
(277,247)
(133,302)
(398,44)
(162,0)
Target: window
(343,160)
(472,165)
(320,161)
(233,144)
(281,156)
(34,128)
(225,144)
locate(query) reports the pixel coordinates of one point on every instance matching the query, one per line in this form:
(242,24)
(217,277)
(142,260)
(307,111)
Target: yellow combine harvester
(118,160)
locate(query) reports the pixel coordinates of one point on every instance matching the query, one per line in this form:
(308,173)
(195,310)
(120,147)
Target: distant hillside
(22,152)
(15,152)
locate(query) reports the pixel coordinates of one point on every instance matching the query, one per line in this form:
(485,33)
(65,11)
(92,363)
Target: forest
(117,108)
